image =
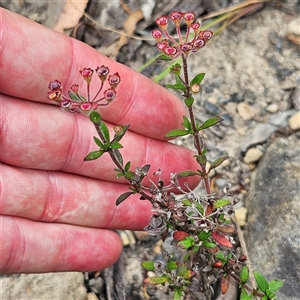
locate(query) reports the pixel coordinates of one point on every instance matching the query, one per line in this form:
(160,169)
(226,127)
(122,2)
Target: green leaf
(130,175)
(244,295)
(146,168)
(210,122)
(197,79)
(186,123)
(270,294)
(188,242)
(186,202)
(115,145)
(157,279)
(163,57)
(148,265)
(95,117)
(220,255)
(204,235)
(189,101)
(177,86)
(261,281)
(275,285)
(176,68)
(98,142)
(75,97)
(221,202)
(218,162)
(103,128)
(187,173)
(127,166)
(209,244)
(94,155)
(123,197)
(201,159)
(176,133)
(177,294)
(244,274)
(172,265)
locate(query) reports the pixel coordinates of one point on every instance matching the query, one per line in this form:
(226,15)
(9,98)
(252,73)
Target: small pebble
(252,155)
(294,121)
(246,111)
(241,215)
(272,108)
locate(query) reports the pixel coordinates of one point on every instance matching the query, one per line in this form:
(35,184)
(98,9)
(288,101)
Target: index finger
(33,55)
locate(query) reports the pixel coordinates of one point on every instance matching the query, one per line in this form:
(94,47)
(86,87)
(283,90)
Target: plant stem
(196,135)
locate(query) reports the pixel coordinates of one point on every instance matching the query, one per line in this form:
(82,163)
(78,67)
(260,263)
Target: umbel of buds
(182,45)
(75,102)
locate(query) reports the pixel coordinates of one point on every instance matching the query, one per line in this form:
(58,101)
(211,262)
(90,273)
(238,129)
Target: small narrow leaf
(197,79)
(244,295)
(95,117)
(177,295)
(93,155)
(244,274)
(157,279)
(177,86)
(225,228)
(130,175)
(115,145)
(210,122)
(98,142)
(123,197)
(207,244)
(220,255)
(75,96)
(221,202)
(172,265)
(186,123)
(275,285)
(146,168)
(204,235)
(176,133)
(221,239)
(127,166)
(186,202)
(225,281)
(188,242)
(261,281)
(148,265)
(189,101)
(105,132)
(187,173)
(163,57)
(218,162)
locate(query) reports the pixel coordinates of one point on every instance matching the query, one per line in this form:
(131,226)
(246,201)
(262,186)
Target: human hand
(57,211)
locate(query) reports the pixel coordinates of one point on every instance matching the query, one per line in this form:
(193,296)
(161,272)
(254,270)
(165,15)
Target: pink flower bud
(86,73)
(170,51)
(157,34)
(196,27)
(102,72)
(207,35)
(114,80)
(198,43)
(54,85)
(176,17)
(162,45)
(186,48)
(195,88)
(110,94)
(55,95)
(189,18)
(86,106)
(74,88)
(162,22)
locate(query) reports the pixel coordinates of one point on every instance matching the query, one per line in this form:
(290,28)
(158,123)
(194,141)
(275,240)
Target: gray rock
(280,119)
(272,233)
(50,286)
(258,135)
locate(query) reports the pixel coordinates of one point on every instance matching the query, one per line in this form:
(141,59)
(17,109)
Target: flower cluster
(75,102)
(183,46)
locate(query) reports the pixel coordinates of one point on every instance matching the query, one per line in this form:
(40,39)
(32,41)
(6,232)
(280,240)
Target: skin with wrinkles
(58,212)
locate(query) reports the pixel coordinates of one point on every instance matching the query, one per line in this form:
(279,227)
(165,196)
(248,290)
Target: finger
(31,247)
(37,136)
(65,198)
(33,55)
